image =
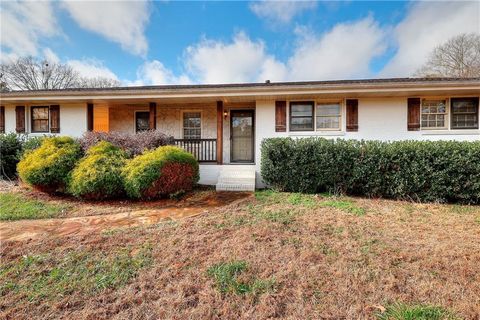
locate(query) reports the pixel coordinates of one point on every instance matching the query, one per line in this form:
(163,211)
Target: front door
(241,135)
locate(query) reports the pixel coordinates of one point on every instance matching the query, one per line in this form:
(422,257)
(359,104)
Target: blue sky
(219,42)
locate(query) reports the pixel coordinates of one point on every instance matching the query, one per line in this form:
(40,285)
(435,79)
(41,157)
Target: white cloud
(50,56)
(427,25)
(343,52)
(122,22)
(23,24)
(242,60)
(155,73)
(91,68)
(280,11)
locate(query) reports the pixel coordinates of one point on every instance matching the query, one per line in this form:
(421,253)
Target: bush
(444,171)
(12,147)
(133,143)
(98,174)
(47,168)
(160,172)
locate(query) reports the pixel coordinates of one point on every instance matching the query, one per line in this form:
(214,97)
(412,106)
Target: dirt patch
(159,211)
(323,261)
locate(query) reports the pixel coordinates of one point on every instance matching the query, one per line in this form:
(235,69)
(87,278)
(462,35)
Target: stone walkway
(33,229)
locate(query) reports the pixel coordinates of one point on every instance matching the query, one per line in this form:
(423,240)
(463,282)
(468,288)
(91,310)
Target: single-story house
(223,125)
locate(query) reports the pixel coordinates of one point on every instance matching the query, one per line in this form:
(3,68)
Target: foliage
(16,207)
(132,143)
(417,312)
(12,147)
(30,73)
(226,276)
(458,57)
(47,168)
(98,174)
(48,277)
(163,171)
(444,171)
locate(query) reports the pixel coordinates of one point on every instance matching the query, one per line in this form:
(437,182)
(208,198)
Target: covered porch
(214,132)
(217,133)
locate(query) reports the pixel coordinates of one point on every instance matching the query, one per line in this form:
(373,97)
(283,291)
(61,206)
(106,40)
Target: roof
(257,91)
(267,84)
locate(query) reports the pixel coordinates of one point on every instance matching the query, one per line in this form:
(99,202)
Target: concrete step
(236,178)
(235,186)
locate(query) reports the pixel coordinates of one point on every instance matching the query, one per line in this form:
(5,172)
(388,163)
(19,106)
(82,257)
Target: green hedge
(48,167)
(12,147)
(444,171)
(98,174)
(163,171)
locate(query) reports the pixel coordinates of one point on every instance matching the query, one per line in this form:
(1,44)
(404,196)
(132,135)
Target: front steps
(236,178)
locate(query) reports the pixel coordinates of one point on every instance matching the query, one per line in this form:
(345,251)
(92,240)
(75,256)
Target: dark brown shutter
(2,119)
(152,121)
(89,116)
(55,119)
(352,115)
(413,118)
(280,116)
(20,119)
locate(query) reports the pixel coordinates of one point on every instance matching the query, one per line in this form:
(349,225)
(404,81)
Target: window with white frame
(192,125)
(328,116)
(464,113)
(434,113)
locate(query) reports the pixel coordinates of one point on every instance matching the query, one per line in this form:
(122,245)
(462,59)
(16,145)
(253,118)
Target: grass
(416,312)
(226,276)
(16,207)
(345,205)
(272,256)
(46,277)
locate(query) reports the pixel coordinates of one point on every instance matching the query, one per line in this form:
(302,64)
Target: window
(142,121)
(434,114)
(40,119)
(192,125)
(328,116)
(464,113)
(301,116)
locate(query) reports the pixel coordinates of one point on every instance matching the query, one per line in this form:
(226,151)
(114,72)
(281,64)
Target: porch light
(225,113)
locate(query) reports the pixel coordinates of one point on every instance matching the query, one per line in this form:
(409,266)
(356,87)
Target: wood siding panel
(20,119)
(352,115)
(101,121)
(280,116)
(413,118)
(55,119)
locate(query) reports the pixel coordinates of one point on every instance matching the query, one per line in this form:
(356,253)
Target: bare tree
(29,73)
(458,57)
(98,82)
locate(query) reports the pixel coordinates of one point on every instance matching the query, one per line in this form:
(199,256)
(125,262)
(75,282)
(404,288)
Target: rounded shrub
(160,172)
(47,168)
(441,171)
(98,175)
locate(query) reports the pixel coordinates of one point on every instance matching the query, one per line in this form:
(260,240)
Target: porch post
(219,132)
(89,116)
(152,121)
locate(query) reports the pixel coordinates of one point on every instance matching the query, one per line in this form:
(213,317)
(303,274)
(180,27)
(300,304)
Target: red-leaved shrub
(132,143)
(174,177)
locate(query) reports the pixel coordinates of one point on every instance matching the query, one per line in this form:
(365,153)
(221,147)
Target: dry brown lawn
(272,255)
